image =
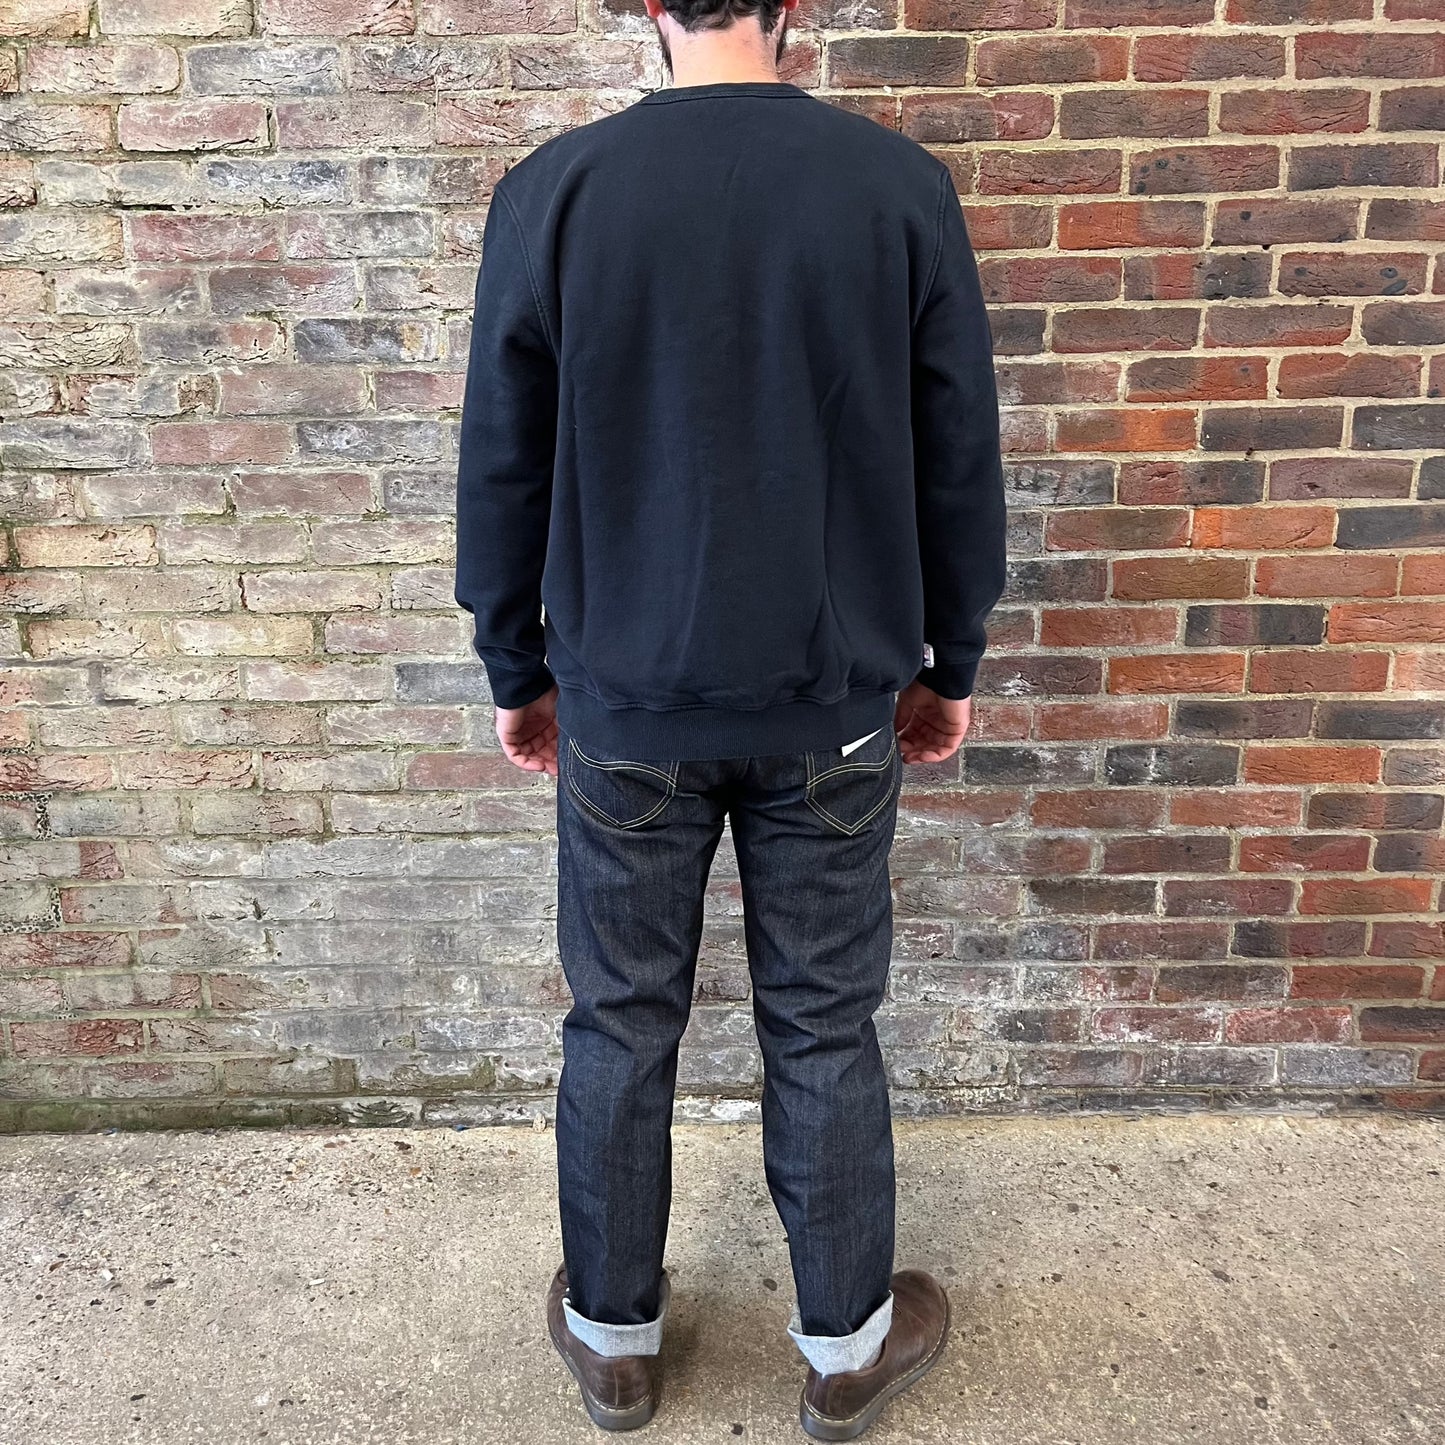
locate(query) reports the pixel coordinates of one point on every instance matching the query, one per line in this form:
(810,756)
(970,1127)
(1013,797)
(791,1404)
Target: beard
(777,51)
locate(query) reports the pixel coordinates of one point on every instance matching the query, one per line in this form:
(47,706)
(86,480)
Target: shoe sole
(827,1427)
(607,1417)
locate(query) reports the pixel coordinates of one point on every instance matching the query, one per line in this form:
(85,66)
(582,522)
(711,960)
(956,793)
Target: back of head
(699,15)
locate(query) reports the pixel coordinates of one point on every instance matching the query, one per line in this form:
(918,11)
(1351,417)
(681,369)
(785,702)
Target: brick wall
(262,860)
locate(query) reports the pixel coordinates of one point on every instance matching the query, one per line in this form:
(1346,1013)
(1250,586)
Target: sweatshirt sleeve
(504,470)
(958,466)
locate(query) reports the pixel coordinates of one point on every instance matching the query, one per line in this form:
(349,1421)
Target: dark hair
(695,15)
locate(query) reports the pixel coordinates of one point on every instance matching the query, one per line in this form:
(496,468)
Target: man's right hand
(930,728)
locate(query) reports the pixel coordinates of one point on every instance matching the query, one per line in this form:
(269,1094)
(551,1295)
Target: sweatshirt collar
(777,89)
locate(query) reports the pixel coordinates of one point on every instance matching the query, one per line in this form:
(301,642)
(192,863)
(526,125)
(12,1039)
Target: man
(730,520)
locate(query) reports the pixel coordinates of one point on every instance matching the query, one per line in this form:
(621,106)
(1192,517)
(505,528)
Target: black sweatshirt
(730,445)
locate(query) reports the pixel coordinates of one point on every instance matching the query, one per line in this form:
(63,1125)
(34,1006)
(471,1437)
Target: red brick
(1398,54)
(1170,59)
(1350,375)
(1235,808)
(1198,378)
(1365,895)
(1107,721)
(1019,172)
(1353,981)
(1423,576)
(1266,763)
(1332,576)
(1412,940)
(1307,670)
(994,227)
(1052,60)
(1420,671)
(1101,225)
(1148,429)
(1315,853)
(1259,528)
(1282,112)
(1148,579)
(1289,1025)
(1179,673)
(1387,622)
(1097,808)
(1107,626)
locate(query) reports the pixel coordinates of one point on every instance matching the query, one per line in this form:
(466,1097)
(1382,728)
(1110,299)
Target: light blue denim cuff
(615,1340)
(837,1354)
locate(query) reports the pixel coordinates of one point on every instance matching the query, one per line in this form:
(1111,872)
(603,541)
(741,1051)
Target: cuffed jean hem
(615,1340)
(837,1354)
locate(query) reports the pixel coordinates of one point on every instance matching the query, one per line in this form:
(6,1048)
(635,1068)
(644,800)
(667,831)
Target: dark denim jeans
(636,838)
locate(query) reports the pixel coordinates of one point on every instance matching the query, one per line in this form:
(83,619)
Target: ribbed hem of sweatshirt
(706,733)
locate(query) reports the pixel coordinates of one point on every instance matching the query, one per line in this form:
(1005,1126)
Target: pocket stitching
(815,778)
(669,777)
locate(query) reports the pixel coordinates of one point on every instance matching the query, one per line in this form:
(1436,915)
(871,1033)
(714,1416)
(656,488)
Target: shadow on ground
(1114,1281)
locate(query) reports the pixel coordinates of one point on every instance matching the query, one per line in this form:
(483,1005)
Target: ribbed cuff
(838,1354)
(953,680)
(511,688)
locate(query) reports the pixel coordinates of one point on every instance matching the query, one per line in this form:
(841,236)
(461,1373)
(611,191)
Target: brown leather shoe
(842,1407)
(618,1391)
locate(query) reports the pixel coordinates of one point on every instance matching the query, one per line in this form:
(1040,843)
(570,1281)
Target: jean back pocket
(622,792)
(850,791)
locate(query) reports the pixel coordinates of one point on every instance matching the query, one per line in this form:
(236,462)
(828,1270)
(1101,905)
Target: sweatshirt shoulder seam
(500,194)
(938,242)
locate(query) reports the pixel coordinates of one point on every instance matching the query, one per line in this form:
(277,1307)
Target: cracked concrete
(1115,1281)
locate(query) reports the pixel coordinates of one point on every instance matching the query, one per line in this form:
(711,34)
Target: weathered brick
(330,235)
(202,125)
(93,69)
(175,17)
(338,17)
(262,68)
(372,121)
(36,126)
(426,66)
(163,237)
(498,17)
(276,182)
(45,19)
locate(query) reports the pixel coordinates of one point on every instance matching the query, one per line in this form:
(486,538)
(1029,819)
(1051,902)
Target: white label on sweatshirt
(861,741)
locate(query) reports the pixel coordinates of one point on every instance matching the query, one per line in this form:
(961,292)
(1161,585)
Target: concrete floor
(1115,1282)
